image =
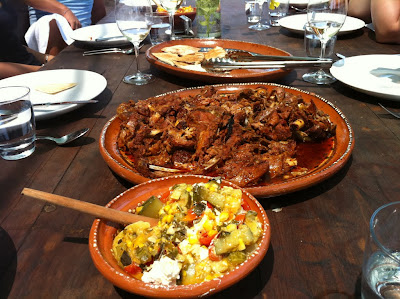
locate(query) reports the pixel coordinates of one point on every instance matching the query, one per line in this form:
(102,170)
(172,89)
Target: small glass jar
(208,18)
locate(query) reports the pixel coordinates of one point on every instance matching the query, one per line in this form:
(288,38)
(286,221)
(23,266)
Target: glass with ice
(381,266)
(17,123)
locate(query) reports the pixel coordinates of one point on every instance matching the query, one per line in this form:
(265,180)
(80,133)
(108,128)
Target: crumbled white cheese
(165,271)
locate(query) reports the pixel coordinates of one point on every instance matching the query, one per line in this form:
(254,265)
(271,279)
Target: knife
(102,39)
(65,102)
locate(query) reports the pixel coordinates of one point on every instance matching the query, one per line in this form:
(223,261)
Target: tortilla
(181,50)
(191,58)
(217,52)
(55,87)
(167,57)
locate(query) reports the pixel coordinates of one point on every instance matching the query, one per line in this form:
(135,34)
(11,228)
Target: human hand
(72,20)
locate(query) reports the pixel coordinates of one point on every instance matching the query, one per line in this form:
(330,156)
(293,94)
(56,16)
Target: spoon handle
(88,208)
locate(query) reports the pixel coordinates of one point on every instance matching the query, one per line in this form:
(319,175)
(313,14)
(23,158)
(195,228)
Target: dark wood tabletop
(318,235)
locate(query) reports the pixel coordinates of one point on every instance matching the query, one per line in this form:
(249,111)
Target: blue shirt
(82,9)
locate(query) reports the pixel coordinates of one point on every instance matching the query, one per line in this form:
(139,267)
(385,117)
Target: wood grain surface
(318,234)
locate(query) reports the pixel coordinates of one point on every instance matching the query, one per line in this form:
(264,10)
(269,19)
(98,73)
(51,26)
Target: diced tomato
(210,206)
(133,269)
(190,216)
(206,238)
(245,206)
(164,197)
(212,255)
(240,218)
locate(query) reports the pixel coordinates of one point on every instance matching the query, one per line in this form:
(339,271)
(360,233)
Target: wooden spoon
(89,208)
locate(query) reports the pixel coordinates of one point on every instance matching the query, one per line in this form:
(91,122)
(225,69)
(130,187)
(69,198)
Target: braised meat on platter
(245,137)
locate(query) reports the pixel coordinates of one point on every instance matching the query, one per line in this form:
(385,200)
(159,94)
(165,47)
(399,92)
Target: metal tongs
(227,64)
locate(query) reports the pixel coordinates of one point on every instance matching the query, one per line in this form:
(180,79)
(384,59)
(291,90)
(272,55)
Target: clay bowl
(103,232)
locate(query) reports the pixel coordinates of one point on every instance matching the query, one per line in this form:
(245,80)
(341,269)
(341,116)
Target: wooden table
(317,238)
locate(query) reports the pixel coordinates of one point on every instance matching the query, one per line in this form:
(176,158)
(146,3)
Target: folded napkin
(37,36)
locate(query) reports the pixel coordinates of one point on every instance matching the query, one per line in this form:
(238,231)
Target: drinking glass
(17,123)
(381,266)
(171,6)
(134,20)
(259,26)
(325,17)
(277,10)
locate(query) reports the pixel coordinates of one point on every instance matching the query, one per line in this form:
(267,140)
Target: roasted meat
(245,137)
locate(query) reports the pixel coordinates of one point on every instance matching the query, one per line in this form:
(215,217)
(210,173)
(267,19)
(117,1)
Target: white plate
(295,23)
(376,75)
(89,34)
(298,2)
(89,85)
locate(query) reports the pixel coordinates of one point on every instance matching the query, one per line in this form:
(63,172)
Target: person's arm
(53,6)
(386,20)
(360,9)
(98,11)
(9,69)
(43,58)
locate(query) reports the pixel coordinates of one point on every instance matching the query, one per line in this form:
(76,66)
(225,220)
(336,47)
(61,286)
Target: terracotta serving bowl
(103,232)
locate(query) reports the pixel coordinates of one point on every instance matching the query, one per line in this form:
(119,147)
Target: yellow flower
(273,4)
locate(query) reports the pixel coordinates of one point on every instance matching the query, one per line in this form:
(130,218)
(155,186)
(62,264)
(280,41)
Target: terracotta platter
(103,232)
(240,75)
(343,145)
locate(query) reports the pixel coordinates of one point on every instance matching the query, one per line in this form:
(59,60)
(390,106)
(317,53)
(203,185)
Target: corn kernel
(193,240)
(241,245)
(138,209)
(167,208)
(189,189)
(213,188)
(231,227)
(223,216)
(209,277)
(170,218)
(208,225)
(129,243)
(212,232)
(164,219)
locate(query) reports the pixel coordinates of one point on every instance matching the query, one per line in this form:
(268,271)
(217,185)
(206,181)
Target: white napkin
(37,36)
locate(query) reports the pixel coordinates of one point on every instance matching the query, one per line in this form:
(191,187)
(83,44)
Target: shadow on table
(248,287)
(8,263)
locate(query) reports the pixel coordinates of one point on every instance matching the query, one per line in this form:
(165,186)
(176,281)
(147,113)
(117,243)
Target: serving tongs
(227,64)
(238,55)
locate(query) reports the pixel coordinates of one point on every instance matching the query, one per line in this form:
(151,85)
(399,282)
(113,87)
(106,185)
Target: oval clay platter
(343,145)
(103,232)
(239,75)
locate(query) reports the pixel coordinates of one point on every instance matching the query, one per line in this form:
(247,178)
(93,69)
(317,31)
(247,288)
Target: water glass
(312,44)
(251,9)
(17,123)
(381,266)
(277,10)
(160,29)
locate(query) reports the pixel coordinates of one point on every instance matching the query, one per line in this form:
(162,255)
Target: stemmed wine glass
(259,26)
(171,6)
(325,18)
(134,20)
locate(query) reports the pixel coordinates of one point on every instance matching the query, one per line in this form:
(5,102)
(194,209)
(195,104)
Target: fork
(397,115)
(110,50)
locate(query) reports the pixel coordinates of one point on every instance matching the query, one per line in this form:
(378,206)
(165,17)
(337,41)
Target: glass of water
(277,10)
(381,266)
(160,29)
(17,123)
